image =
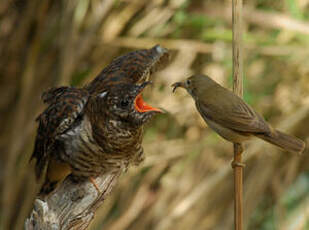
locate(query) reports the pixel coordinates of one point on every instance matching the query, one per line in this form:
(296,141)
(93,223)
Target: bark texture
(72,206)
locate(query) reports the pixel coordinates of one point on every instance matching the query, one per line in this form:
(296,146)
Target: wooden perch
(72,206)
(238,89)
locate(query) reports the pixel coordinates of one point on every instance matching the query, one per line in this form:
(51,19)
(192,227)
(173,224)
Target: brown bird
(231,117)
(85,132)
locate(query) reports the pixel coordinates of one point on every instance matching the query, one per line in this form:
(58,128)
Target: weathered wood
(72,206)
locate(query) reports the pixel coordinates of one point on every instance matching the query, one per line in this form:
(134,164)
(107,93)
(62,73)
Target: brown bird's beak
(177,84)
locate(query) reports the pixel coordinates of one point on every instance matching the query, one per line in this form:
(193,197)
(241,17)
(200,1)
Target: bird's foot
(95,185)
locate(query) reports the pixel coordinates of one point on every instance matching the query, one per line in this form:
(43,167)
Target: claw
(95,185)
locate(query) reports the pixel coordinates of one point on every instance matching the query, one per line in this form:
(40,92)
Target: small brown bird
(231,117)
(87,131)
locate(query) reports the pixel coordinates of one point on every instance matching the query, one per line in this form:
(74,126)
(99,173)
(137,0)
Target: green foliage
(294,9)
(292,199)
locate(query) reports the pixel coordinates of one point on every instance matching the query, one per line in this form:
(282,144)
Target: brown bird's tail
(285,141)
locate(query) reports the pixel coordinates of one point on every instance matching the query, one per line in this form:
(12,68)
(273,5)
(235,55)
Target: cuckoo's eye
(188,82)
(124,103)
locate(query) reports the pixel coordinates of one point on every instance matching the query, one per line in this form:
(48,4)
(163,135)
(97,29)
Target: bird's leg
(78,179)
(94,184)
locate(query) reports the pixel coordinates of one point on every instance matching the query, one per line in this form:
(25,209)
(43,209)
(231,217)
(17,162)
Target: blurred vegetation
(186,180)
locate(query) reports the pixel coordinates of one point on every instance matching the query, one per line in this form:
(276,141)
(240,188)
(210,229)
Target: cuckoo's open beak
(139,103)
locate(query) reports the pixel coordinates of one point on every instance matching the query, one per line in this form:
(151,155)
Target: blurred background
(186,181)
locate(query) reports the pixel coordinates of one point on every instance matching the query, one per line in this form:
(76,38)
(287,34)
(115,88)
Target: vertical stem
(238,187)
(238,89)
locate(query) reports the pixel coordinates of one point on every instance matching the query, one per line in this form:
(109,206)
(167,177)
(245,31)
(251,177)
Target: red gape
(141,106)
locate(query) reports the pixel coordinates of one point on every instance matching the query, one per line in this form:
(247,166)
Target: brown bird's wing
(66,106)
(237,116)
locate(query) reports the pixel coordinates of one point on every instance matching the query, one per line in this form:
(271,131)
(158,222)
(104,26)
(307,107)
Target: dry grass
(186,181)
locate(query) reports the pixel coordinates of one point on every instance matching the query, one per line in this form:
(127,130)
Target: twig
(238,89)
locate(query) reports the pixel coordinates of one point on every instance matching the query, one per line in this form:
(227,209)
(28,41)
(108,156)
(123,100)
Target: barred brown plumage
(99,128)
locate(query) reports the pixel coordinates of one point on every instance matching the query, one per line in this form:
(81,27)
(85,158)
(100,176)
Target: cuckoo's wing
(66,106)
(53,94)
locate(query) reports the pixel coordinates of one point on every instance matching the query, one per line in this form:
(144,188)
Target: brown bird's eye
(188,82)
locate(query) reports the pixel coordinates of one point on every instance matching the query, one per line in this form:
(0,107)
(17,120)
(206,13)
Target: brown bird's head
(124,102)
(196,84)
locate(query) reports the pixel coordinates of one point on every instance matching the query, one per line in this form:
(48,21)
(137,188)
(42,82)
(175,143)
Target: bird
(231,117)
(85,132)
